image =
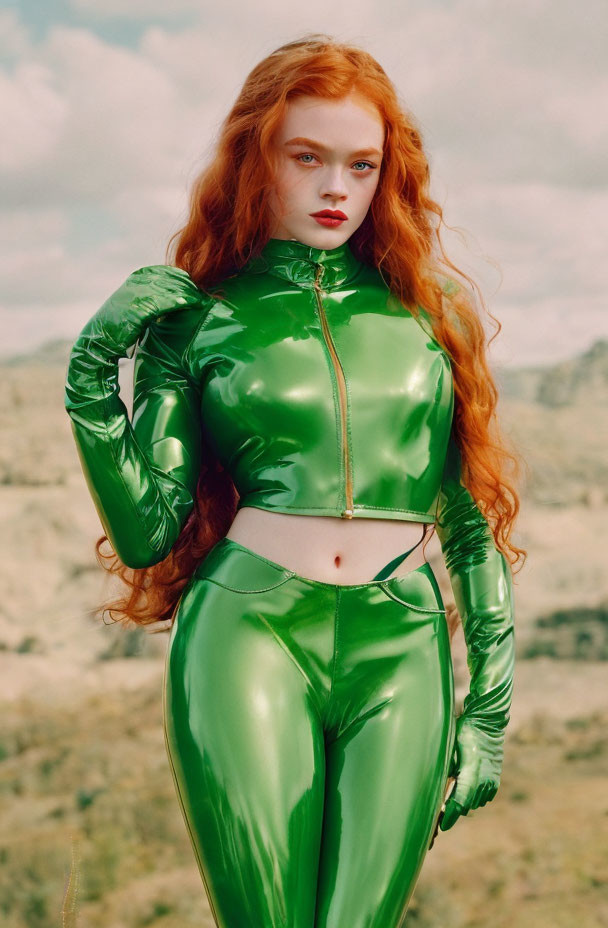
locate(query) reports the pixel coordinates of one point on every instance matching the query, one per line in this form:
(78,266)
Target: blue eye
(308,154)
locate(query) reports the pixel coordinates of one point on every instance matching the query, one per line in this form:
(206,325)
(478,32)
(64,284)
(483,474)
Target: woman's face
(329,156)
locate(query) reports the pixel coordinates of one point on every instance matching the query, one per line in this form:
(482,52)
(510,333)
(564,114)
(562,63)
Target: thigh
(386,772)
(247,755)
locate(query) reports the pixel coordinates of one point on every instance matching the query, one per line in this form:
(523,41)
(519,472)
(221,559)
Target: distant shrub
(537,648)
(578,633)
(86,797)
(30,644)
(587,751)
(576,616)
(127,643)
(159,909)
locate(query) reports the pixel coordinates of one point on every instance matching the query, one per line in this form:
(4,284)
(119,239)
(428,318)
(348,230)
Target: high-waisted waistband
(239,568)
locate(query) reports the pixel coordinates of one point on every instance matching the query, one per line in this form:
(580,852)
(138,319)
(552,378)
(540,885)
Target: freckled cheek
(296,193)
(360,199)
(290,197)
(369,195)
(282,191)
(290,183)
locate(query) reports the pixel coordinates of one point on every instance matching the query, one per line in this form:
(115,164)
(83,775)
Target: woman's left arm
(482,586)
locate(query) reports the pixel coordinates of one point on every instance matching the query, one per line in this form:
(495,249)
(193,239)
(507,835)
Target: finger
(453,811)
(484,793)
(464,791)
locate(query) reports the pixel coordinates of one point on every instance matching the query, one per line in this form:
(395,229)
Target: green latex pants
(309,728)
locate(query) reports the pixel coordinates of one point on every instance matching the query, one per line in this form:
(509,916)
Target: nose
(333,185)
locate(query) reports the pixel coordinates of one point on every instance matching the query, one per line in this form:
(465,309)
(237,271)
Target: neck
(299,263)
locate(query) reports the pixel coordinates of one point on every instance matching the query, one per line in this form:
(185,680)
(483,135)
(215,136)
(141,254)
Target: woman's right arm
(142,475)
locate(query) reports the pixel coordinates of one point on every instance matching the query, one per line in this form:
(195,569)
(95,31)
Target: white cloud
(550,281)
(110,119)
(135,9)
(14,38)
(508,97)
(91,119)
(35,115)
(546,329)
(105,141)
(46,289)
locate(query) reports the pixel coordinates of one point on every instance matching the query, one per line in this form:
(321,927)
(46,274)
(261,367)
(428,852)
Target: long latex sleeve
(481,582)
(142,474)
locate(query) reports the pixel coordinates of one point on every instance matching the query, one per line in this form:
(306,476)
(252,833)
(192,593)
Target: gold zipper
(347,513)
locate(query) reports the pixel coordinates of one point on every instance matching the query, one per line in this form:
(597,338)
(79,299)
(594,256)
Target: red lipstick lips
(329,217)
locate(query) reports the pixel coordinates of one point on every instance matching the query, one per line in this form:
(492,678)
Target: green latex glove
(142,475)
(482,586)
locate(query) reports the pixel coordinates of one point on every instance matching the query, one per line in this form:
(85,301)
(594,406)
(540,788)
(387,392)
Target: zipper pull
(319,274)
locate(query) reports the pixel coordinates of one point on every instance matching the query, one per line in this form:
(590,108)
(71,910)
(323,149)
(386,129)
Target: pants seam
(333,671)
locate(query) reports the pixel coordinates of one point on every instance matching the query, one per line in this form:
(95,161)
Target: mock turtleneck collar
(298,263)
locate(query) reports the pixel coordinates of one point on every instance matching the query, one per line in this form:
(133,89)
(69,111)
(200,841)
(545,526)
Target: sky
(110,109)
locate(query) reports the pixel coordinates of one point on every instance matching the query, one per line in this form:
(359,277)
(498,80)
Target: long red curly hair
(230,220)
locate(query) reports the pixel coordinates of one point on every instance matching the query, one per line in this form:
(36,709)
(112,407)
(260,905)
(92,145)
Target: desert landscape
(92,833)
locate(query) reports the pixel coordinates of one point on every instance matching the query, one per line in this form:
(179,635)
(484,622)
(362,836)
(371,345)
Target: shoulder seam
(186,363)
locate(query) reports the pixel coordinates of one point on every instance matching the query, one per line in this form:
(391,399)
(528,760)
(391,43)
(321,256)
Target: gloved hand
(142,475)
(477,766)
(482,585)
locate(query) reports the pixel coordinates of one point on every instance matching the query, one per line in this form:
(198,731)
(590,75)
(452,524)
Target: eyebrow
(299,140)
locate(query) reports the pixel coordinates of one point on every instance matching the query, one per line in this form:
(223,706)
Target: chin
(324,238)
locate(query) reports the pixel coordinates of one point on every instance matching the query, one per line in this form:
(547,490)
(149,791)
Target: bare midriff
(341,551)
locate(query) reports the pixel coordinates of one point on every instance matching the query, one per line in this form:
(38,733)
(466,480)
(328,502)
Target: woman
(311,396)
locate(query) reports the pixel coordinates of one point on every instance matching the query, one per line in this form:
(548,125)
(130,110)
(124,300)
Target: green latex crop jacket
(318,391)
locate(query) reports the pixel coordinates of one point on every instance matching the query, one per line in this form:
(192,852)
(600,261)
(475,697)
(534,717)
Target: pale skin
(340,171)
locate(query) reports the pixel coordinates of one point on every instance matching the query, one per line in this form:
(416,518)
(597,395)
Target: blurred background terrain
(85,786)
